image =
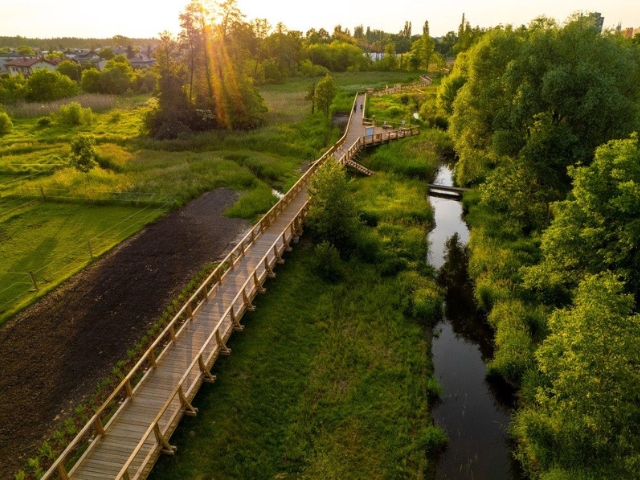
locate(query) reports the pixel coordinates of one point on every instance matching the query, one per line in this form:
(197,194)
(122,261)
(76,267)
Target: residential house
(141,61)
(5,58)
(27,65)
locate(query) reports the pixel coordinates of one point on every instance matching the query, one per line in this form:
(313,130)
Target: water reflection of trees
(466,321)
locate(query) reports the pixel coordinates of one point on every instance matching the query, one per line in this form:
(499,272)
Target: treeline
(63,43)
(544,119)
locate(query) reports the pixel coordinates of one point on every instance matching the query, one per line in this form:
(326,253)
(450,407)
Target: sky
(146,18)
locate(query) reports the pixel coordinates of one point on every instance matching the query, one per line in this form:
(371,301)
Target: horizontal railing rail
(95,426)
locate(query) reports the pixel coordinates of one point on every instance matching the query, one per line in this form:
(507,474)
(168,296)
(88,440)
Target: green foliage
(71,70)
(327,262)
(74,114)
(308,69)
(106,53)
(337,56)
(6,125)
(448,91)
(332,210)
(325,92)
(43,86)
(598,227)
(83,153)
(12,88)
(544,115)
(586,406)
(117,76)
(91,80)
(44,121)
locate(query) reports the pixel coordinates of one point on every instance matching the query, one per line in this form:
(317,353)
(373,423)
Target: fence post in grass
(33,279)
(42,192)
(89,245)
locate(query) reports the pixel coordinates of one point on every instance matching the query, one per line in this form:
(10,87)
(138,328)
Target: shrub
(44,121)
(6,125)
(83,155)
(327,262)
(44,85)
(74,114)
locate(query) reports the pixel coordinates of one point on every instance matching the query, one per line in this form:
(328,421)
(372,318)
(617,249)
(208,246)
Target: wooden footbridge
(133,427)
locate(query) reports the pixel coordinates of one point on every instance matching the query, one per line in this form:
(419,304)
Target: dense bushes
(5,123)
(44,86)
(74,114)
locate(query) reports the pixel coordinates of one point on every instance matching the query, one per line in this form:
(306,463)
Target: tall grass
(94,101)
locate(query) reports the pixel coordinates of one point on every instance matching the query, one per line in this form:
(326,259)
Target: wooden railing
(123,393)
(424,81)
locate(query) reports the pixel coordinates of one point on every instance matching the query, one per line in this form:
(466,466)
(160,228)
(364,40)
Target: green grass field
(329,380)
(139,176)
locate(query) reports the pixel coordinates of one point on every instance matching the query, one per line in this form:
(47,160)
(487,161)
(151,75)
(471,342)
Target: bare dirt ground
(53,354)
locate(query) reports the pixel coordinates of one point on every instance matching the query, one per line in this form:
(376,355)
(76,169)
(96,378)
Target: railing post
(223,348)
(287,247)
(152,360)
(208,378)
(128,388)
(98,426)
(257,283)
(189,409)
(62,471)
(167,449)
(279,258)
(267,267)
(237,327)
(247,301)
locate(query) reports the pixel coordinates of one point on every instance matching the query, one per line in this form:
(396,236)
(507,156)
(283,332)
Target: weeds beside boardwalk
(330,380)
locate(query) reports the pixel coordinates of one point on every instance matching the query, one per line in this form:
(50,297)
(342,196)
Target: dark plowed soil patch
(53,354)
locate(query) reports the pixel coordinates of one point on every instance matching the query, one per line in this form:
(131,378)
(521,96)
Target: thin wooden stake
(33,279)
(89,245)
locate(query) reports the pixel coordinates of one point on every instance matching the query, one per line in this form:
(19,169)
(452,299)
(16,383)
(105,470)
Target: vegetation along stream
(475,409)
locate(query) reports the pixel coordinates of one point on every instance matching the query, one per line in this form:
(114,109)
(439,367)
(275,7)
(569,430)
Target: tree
(598,228)
(544,115)
(70,69)
(106,53)
(325,93)
(428,45)
(26,51)
(43,86)
(117,76)
(333,215)
(587,406)
(83,155)
(91,81)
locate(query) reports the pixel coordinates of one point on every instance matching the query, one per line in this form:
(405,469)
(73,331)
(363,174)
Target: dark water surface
(474,410)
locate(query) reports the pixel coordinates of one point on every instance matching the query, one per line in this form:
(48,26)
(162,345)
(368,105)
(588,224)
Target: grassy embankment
(331,380)
(139,180)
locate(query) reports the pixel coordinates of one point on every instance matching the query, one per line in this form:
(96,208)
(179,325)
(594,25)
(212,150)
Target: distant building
(141,61)
(629,32)
(27,65)
(598,20)
(7,57)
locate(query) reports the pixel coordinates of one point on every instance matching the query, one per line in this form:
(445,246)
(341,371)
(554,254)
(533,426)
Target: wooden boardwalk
(133,427)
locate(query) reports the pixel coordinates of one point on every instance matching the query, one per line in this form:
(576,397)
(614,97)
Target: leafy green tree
(587,409)
(26,51)
(545,97)
(117,76)
(83,155)
(43,86)
(598,227)
(71,70)
(91,80)
(106,53)
(333,216)
(325,93)
(12,88)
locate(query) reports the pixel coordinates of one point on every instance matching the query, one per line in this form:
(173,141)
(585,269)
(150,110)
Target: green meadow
(49,212)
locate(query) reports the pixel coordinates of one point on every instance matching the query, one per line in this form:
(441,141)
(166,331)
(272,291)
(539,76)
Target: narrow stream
(475,411)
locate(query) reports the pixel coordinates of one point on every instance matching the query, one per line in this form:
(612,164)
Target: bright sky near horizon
(146,18)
